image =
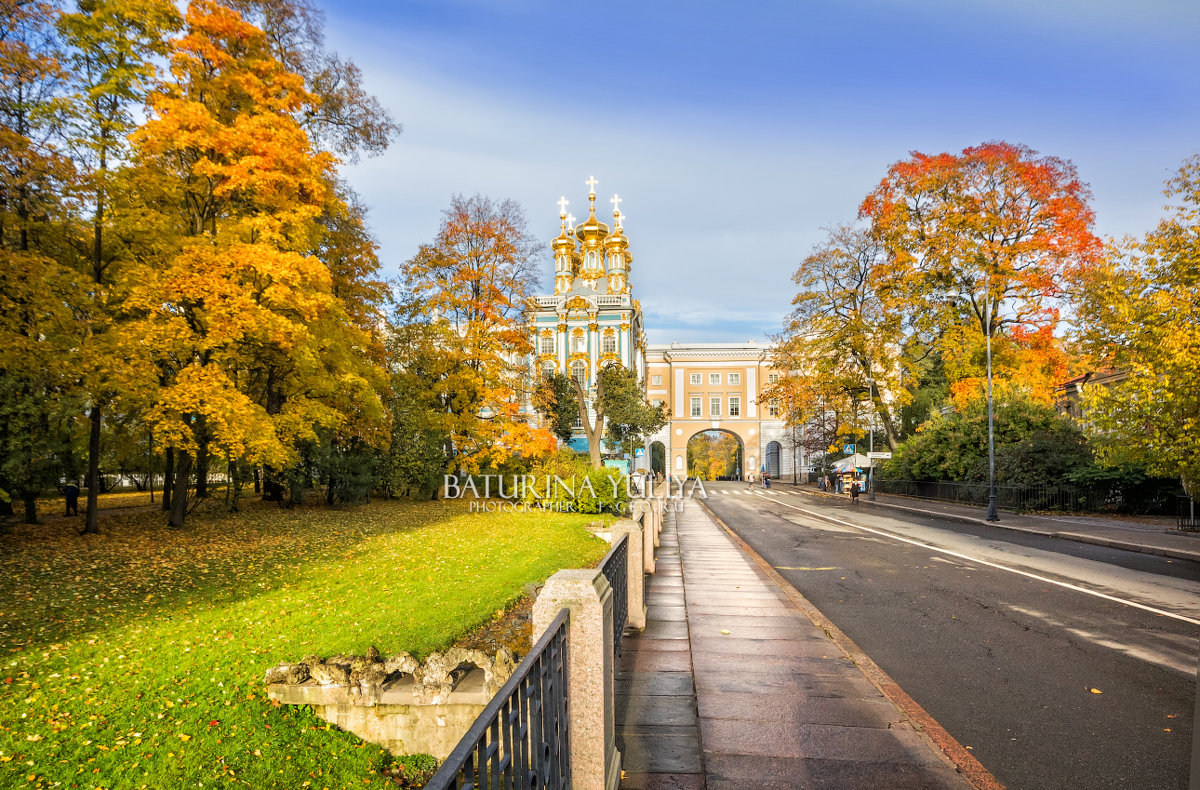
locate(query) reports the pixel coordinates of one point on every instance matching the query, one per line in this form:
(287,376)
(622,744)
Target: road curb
(958,756)
(1159,551)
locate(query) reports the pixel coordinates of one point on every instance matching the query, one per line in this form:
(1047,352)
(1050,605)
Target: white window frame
(714,378)
(714,406)
(548,344)
(735,378)
(773,410)
(694,379)
(772,378)
(656,381)
(608,344)
(578,368)
(696,406)
(735,406)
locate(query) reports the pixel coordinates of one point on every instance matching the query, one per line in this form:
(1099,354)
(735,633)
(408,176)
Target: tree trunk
(30,501)
(179,496)
(594,432)
(202,459)
(90,526)
(257,481)
(168,478)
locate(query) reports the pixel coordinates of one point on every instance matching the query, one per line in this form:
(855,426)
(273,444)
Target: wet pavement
(732,685)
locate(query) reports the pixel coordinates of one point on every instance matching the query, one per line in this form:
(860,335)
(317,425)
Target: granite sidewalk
(732,685)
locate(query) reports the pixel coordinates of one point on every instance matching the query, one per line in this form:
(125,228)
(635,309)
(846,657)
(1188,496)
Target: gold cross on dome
(591,182)
(570,221)
(562,206)
(616,202)
(620,216)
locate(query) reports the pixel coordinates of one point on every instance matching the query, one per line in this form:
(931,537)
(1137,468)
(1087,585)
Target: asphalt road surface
(1061,665)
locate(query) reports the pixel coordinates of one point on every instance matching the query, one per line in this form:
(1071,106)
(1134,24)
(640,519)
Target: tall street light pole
(993,513)
(871,442)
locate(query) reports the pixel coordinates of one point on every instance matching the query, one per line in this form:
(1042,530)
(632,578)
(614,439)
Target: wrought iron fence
(1063,498)
(615,567)
(520,741)
(1187,515)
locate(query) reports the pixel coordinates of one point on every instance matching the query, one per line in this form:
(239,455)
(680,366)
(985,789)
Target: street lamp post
(871,442)
(993,513)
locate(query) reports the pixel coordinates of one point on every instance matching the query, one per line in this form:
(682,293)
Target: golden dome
(591,230)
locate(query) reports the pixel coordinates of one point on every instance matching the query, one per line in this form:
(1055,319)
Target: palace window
(609,344)
(735,378)
(735,406)
(694,379)
(547,344)
(696,406)
(548,370)
(773,410)
(714,378)
(772,378)
(579,373)
(578,343)
(714,407)
(656,381)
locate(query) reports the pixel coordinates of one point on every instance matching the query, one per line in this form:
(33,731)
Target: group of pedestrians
(826,484)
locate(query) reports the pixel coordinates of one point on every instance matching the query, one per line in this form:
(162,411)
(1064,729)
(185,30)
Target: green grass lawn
(135,658)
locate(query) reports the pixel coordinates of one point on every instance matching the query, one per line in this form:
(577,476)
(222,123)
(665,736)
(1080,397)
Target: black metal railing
(615,567)
(1061,498)
(521,740)
(1187,515)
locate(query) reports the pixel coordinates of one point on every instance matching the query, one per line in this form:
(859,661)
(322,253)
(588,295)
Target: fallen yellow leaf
(1096,691)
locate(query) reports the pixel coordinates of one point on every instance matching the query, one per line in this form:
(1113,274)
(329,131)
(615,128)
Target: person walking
(71,495)
(854,489)
(750,479)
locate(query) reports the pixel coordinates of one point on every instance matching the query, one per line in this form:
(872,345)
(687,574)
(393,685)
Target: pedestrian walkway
(1111,532)
(731,685)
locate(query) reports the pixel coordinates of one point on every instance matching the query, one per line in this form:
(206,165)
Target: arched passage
(715,454)
(771,458)
(658,458)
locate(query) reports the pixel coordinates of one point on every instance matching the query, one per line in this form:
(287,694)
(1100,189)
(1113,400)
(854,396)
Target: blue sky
(736,132)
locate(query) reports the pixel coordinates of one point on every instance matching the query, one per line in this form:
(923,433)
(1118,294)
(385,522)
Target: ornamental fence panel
(521,740)
(615,567)
(1153,497)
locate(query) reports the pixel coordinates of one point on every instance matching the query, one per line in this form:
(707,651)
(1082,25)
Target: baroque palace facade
(593,320)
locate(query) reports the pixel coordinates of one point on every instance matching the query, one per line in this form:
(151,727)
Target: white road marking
(997,566)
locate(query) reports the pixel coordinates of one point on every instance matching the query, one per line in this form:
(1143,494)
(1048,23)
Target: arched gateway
(715,386)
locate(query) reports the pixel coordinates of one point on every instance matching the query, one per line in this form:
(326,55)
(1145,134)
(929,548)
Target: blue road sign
(848,449)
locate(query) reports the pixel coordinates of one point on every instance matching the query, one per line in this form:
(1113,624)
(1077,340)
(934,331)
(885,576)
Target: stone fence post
(595,761)
(635,569)
(642,512)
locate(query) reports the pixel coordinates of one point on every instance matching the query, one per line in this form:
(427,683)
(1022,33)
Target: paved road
(1005,639)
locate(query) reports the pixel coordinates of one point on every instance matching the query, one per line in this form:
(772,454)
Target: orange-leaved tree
(469,287)
(988,241)
(252,351)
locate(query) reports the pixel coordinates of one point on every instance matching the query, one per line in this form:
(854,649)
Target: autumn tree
(37,329)
(841,331)
(467,288)
(254,353)
(988,241)
(113,47)
(1141,315)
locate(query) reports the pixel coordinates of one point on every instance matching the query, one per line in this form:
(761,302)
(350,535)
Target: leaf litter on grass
(119,652)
